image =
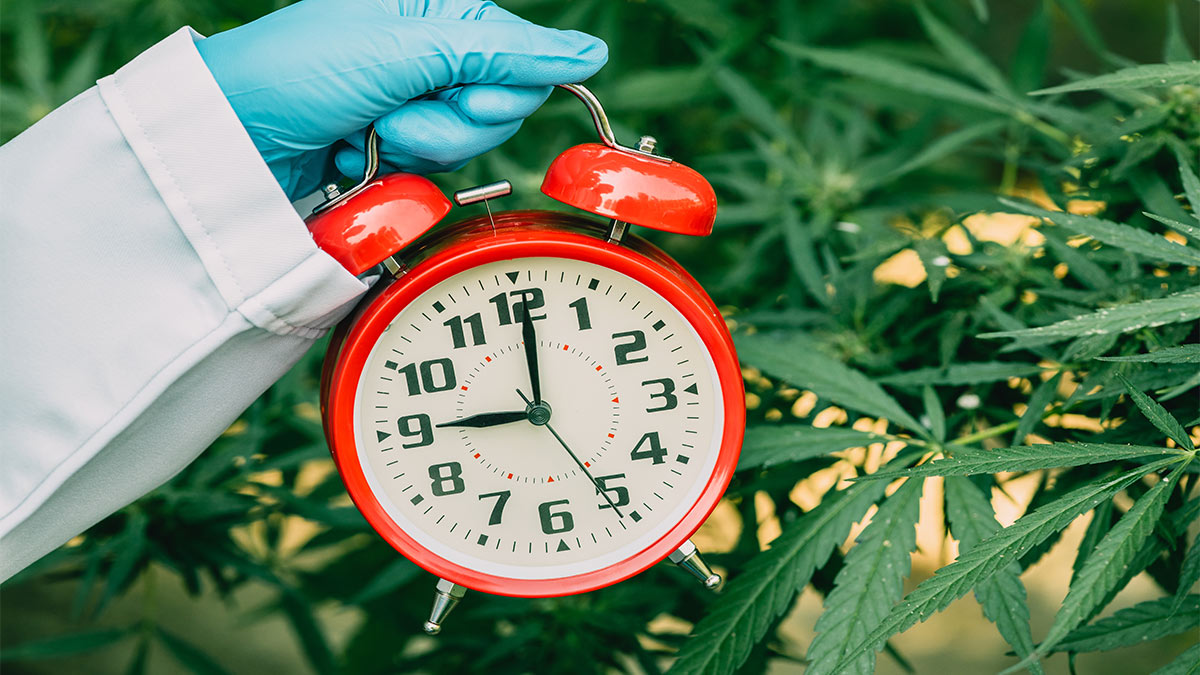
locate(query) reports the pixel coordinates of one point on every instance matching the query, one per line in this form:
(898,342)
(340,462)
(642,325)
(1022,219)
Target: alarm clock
(531,403)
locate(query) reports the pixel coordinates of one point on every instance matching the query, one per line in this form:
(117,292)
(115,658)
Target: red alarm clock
(532,403)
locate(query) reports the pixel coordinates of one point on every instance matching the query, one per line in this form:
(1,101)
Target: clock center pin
(539,413)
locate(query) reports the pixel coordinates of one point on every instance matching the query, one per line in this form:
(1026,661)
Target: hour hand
(487,419)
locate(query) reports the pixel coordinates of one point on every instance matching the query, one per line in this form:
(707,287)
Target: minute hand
(530,338)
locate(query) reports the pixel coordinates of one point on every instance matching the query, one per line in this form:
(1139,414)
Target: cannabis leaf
(1026,458)
(1003,595)
(870,582)
(723,638)
(992,554)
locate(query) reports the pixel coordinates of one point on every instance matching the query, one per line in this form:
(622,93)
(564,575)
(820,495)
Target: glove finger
(438,131)
(499,103)
(470,10)
(349,162)
(496,52)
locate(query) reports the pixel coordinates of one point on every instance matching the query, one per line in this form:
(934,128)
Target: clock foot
(448,595)
(689,559)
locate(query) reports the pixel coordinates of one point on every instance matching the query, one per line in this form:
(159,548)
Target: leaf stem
(986,433)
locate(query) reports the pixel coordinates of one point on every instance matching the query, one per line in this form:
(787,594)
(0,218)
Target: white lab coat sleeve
(154,280)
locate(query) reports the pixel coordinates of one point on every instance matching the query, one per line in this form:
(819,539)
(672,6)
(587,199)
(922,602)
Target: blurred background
(254,561)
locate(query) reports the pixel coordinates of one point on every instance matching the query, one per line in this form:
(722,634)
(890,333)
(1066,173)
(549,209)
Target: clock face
(623,445)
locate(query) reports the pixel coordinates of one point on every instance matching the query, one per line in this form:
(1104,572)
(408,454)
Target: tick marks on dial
(512,276)
(391,364)
(439,307)
(637,517)
(417,500)
(682,459)
(483,538)
(593,284)
(427,317)
(659,325)
(691,388)
(380,435)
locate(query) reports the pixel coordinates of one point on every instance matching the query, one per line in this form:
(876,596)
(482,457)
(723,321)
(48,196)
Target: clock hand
(530,338)
(574,457)
(487,419)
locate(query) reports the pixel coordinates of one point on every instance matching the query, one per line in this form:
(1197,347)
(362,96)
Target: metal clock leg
(689,559)
(448,595)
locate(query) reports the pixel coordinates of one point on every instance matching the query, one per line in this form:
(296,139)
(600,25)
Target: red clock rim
(663,275)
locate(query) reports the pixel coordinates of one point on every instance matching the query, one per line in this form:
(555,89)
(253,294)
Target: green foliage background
(838,134)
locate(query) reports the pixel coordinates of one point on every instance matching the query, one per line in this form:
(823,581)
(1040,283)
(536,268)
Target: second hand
(577,461)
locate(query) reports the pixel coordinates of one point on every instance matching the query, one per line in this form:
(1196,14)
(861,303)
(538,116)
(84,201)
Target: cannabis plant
(845,139)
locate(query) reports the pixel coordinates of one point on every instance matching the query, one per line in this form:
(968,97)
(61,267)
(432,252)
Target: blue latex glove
(305,76)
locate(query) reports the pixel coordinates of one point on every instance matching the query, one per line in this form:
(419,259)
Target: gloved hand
(305,76)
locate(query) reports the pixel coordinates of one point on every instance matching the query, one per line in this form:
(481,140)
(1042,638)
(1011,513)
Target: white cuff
(221,193)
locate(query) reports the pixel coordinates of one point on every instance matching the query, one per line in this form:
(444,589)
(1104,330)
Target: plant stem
(986,433)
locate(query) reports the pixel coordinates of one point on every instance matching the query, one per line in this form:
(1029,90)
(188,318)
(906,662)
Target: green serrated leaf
(797,359)
(189,655)
(1099,526)
(1149,620)
(1191,186)
(1123,237)
(1080,19)
(870,582)
(994,553)
(137,664)
(933,410)
(895,74)
(395,575)
(943,146)
(961,54)
(1137,77)
(935,258)
(64,645)
(801,252)
(1042,396)
(1187,663)
(1189,353)
(1029,60)
(1107,563)
(1157,415)
(1181,306)
(308,632)
(1078,264)
(1189,574)
(1176,47)
(1190,231)
(1027,458)
(753,105)
(721,641)
(132,544)
(1002,597)
(766,446)
(962,373)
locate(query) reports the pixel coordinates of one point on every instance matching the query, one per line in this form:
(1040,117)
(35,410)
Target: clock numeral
(447,479)
(555,523)
(424,430)
(656,451)
(427,380)
(637,344)
(670,401)
(455,324)
(617,493)
(581,313)
(498,508)
(525,297)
